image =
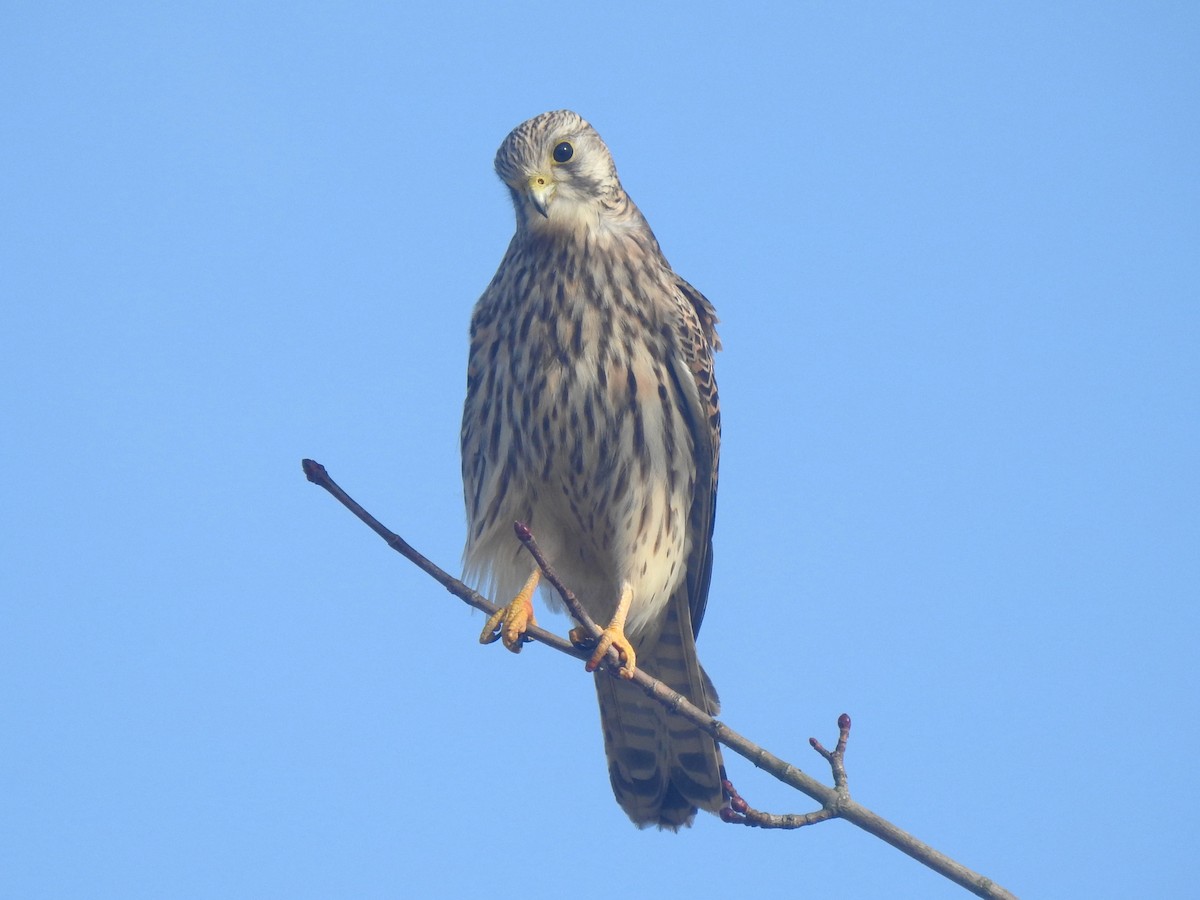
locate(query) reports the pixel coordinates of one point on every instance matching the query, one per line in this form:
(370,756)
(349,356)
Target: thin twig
(837,758)
(578,613)
(739,812)
(834,801)
(316,473)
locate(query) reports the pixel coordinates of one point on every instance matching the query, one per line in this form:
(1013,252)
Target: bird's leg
(509,622)
(614,636)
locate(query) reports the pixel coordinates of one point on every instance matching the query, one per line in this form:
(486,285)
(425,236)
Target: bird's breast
(607,452)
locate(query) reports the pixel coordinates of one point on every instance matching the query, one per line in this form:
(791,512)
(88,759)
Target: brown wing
(698,340)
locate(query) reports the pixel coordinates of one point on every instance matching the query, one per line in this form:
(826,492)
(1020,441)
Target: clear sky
(955,249)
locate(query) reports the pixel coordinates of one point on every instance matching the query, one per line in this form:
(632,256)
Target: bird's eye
(563,152)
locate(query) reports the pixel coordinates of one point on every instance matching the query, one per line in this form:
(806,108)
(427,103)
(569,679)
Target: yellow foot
(510,622)
(614,636)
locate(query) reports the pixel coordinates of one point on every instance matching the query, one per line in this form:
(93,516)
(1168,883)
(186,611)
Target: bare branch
(740,812)
(835,802)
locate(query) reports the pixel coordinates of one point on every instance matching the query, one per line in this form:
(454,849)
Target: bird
(592,416)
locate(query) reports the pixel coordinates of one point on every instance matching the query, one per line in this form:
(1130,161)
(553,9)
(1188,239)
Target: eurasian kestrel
(592,416)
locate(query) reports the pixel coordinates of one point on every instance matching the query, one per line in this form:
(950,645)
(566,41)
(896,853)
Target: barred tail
(661,766)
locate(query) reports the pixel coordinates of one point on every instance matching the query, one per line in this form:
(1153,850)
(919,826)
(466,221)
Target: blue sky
(954,251)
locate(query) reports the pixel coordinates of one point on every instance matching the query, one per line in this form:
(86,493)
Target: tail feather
(662,767)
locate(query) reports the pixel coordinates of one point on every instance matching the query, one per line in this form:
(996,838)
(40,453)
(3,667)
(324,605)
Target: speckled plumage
(592,415)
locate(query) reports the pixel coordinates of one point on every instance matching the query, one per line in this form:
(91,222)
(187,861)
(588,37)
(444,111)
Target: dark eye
(563,152)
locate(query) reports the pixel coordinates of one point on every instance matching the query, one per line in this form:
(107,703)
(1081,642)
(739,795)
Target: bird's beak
(540,190)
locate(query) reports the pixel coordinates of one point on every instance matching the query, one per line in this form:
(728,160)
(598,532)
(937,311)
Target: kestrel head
(559,172)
